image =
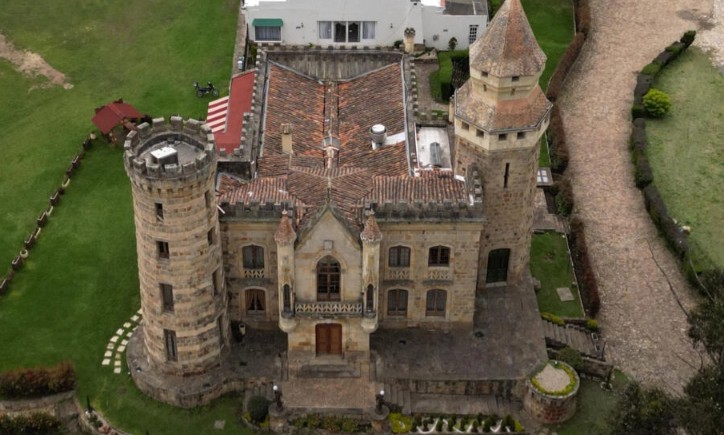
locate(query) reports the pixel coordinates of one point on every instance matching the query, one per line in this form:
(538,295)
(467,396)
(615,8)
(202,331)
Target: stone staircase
(400,396)
(576,337)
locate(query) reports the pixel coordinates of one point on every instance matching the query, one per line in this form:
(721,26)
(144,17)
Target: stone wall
(62,406)
(458,279)
(188,225)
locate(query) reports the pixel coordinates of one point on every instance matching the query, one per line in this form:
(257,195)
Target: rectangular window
(159,212)
(368,30)
(480,133)
(255,301)
(515,78)
(208,198)
(465,126)
(485,73)
(163,251)
(215,282)
(170,340)
(253,257)
(435,303)
(353,31)
(210,237)
(439,256)
(267,33)
(505,177)
(167,296)
(340,31)
(349,31)
(502,137)
(325,30)
(397,302)
(399,256)
(473,33)
(520,135)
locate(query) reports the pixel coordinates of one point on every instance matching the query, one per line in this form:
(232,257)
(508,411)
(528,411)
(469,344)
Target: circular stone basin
(554,379)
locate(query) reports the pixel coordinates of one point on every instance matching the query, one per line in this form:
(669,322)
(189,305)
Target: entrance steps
(329,395)
(576,337)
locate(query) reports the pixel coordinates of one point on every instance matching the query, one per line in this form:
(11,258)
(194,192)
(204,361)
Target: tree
(643,411)
(702,411)
(705,321)
(657,103)
(452,43)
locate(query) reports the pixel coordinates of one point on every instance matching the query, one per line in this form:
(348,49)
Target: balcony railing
(438,274)
(398,273)
(334,308)
(253,273)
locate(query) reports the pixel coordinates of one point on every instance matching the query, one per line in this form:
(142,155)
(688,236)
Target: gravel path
(641,286)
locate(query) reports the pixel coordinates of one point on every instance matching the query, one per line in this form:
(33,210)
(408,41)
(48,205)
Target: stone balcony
(324,309)
(439,274)
(397,274)
(254,274)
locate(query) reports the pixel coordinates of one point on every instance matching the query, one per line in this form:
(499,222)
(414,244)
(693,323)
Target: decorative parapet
(254,273)
(438,274)
(398,273)
(256,210)
(334,308)
(418,210)
(192,133)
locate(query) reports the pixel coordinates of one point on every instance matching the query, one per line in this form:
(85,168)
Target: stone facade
(183,295)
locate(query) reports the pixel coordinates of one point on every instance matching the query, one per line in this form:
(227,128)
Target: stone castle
(341,246)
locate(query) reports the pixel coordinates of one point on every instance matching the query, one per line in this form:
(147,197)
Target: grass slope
(686,151)
(552,24)
(80,282)
(551,264)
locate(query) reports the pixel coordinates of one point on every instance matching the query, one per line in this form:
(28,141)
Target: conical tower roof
(508,47)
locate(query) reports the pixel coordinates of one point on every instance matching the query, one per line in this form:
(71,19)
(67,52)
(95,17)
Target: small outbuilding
(115,114)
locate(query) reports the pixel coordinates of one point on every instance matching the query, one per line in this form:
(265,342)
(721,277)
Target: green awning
(267,22)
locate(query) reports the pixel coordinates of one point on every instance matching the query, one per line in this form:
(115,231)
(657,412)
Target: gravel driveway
(641,285)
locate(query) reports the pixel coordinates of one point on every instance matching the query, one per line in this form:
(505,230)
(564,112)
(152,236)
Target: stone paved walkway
(640,283)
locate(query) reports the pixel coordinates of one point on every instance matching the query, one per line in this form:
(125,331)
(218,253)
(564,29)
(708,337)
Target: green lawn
(594,408)
(552,24)
(686,152)
(551,264)
(80,282)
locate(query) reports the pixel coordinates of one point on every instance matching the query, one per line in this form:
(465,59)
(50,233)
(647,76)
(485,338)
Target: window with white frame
(473,33)
(267,33)
(346,31)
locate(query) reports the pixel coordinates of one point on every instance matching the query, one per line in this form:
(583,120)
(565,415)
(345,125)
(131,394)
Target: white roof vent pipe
(378,134)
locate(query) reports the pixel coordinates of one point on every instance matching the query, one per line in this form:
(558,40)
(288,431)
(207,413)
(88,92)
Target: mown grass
(80,282)
(686,152)
(594,407)
(551,264)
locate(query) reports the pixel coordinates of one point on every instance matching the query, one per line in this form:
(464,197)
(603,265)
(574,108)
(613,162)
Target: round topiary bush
(657,103)
(258,408)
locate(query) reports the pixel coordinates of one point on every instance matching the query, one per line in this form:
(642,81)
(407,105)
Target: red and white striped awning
(216,114)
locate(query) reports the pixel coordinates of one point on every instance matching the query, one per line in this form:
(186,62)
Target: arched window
(439,256)
(287,298)
(397,302)
(436,302)
(255,301)
(399,256)
(328,279)
(253,257)
(498,266)
(370,302)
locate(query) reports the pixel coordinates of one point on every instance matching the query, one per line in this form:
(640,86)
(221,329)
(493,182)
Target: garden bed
(550,263)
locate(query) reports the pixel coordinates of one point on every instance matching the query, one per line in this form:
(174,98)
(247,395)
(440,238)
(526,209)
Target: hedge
(583,16)
(582,265)
(660,216)
(36,382)
(558,145)
(36,423)
(564,197)
(555,85)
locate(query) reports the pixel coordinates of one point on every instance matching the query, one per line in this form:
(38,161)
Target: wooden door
(329,339)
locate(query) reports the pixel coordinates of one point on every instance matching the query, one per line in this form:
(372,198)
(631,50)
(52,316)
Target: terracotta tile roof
(285,234)
(505,114)
(267,189)
(430,186)
(508,47)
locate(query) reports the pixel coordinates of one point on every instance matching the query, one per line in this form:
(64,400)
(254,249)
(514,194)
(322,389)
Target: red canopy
(114,113)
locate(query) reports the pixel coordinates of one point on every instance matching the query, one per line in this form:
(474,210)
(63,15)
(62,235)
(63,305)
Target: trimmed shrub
(452,43)
(676,48)
(664,58)
(553,319)
(657,103)
(555,85)
(571,357)
(36,423)
(660,216)
(36,382)
(688,38)
(583,16)
(258,408)
(651,69)
(643,175)
(564,197)
(592,325)
(638,111)
(582,265)
(557,146)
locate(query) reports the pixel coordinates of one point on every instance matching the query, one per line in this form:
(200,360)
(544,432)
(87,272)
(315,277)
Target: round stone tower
(183,296)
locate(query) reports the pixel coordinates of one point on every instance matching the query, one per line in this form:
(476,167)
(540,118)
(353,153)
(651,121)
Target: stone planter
(24,254)
(552,393)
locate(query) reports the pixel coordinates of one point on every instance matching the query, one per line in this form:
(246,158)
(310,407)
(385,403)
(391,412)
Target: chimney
(287,139)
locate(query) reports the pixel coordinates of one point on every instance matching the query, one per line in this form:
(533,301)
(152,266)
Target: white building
(365,22)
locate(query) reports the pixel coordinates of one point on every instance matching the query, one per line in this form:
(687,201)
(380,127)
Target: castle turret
(183,295)
(500,115)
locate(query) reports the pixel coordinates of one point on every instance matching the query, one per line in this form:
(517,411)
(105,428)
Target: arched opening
(397,302)
(255,301)
(329,275)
